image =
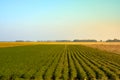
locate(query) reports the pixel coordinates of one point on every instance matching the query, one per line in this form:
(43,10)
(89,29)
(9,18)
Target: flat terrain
(107,46)
(57,62)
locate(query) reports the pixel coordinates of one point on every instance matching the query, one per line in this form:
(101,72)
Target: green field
(58,62)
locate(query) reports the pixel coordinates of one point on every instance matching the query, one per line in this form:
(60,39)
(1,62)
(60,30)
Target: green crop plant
(58,62)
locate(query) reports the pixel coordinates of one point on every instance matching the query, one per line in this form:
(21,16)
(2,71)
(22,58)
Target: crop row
(58,62)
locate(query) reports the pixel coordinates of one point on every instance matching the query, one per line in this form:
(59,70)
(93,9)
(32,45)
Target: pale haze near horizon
(59,19)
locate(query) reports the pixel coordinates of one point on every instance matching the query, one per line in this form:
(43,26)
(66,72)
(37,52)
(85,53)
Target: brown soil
(111,47)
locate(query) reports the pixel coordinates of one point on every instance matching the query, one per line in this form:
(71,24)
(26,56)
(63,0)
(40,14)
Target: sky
(59,19)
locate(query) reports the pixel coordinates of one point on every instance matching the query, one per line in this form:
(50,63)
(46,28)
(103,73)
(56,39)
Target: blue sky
(59,19)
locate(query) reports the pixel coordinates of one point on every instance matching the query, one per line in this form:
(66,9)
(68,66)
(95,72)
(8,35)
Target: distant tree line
(63,40)
(76,40)
(19,40)
(114,40)
(23,41)
(84,40)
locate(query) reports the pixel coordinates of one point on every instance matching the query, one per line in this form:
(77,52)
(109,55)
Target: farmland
(107,46)
(58,62)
